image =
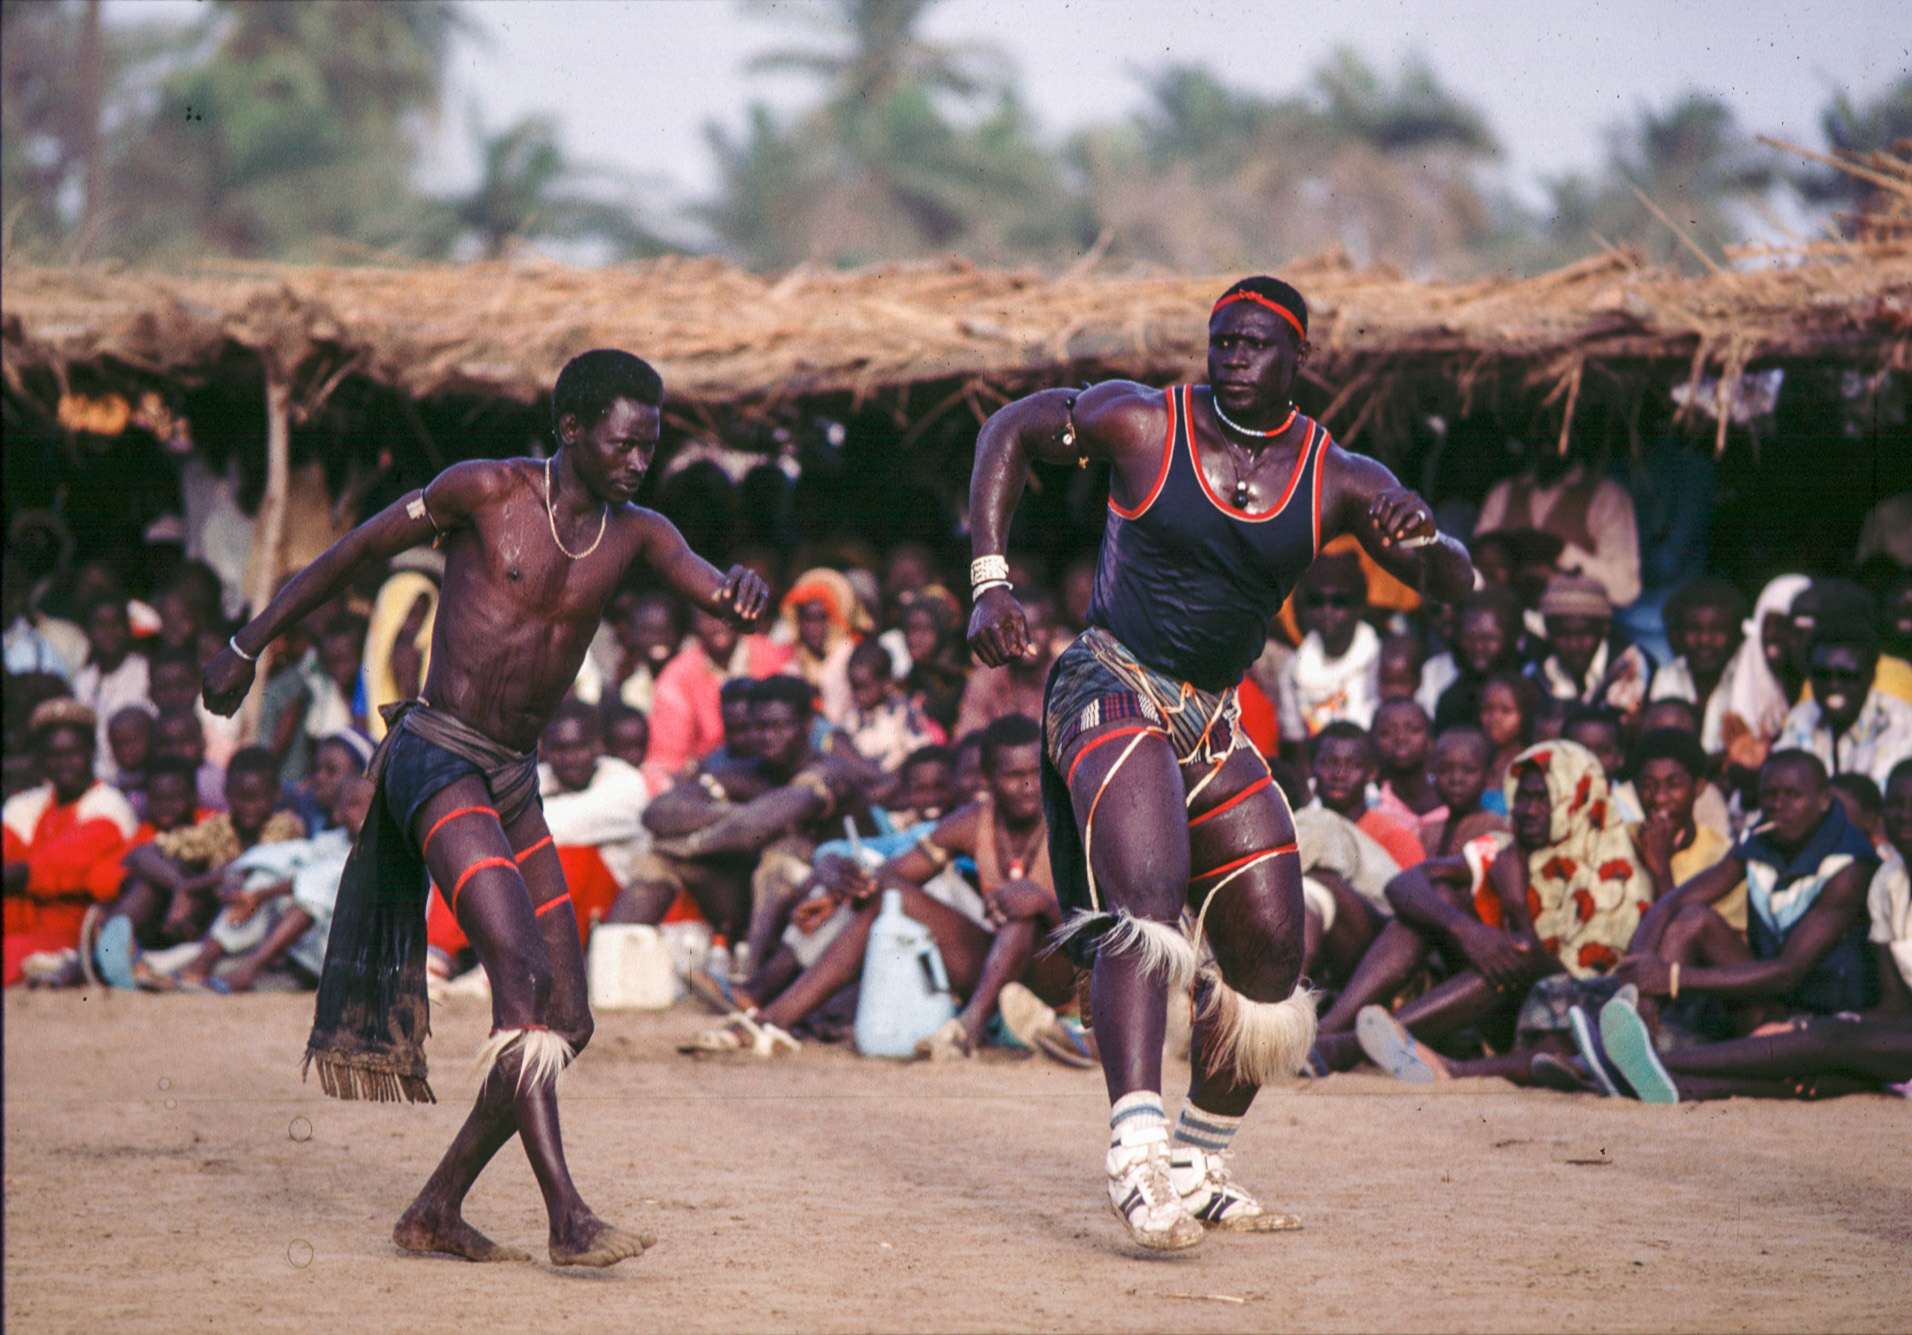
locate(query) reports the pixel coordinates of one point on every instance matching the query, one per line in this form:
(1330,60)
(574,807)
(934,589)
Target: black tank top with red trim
(1189,582)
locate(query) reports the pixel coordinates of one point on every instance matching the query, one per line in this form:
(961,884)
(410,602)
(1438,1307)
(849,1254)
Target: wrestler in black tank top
(1188,582)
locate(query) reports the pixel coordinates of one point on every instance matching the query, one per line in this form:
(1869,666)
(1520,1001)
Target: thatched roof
(726,337)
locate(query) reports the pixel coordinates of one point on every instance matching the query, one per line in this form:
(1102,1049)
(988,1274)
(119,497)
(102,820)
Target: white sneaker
(1209,1194)
(1142,1196)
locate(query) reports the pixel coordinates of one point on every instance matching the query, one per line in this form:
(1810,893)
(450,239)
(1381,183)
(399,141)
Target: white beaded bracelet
(1425,540)
(987,570)
(987,585)
(232,643)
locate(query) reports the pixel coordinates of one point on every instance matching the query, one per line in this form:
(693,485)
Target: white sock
(1210,1132)
(1140,1111)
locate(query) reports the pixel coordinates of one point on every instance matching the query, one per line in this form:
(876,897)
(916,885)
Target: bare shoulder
(957,830)
(476,483)
(1349,484)
(1122,410)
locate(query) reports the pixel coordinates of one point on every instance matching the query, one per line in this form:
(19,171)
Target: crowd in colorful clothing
(1529,838)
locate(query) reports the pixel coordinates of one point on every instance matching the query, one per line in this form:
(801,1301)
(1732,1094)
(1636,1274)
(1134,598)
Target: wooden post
(268,535)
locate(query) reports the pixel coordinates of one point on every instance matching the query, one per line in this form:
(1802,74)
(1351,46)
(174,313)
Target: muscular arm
(747,828)
(738,596)
(1707,887)
(449,499)
(1112,421)
(1839,905)
(1366,499)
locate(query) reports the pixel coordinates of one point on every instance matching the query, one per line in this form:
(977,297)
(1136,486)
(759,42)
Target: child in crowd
(1507,704)
(177,734)
(627,734)
(1668,767)
(129,738)
(171,894)
(1461,761)
(1403,740)
(115,677)
(278,901)
(1345,764)
(884,725)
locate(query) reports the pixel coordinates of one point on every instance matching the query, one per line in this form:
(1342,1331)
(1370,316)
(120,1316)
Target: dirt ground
(165,1170)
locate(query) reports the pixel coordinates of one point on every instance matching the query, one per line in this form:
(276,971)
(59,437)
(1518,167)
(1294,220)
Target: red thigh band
(534,848)
(1242,796)
(1105,737)
(550,904)
(1243,862)
(473,870)
(439,824)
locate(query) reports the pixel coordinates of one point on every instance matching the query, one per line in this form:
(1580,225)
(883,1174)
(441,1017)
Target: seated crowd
(1529,849)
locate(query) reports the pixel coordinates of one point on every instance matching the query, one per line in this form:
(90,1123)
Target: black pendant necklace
(1241,485)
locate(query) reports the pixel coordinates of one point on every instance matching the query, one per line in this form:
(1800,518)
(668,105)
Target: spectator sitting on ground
(648,636)
(114,678)
(1864,804)
(278,906)
(932,623)
(594,808)
(627,734)
(1590,661)
(780,950)
(1709,806)
(64,839)
(1017,688)
(1335,673)
(170,894)
(129,738)
(1005,834)
(339,758)
(686,718)
(339,697)
(174,684)
(1849,723)
(882,723)
(1668,768)
(1841,602)
(177,734)
(1487,644)
(745,832)
(1806,871)
(1564,909)
(1399,668)
(1508,704)
(1704,624)
(1345,765)
(27,650)
(824,618)
(1461,760)
(1403,741)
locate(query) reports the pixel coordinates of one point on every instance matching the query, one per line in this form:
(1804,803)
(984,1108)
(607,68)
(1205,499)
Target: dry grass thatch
(724,337)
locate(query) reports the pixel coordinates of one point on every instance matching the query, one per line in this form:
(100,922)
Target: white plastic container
(630,969)
(905,994)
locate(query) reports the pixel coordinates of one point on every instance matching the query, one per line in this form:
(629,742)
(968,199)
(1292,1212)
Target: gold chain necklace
(552,515)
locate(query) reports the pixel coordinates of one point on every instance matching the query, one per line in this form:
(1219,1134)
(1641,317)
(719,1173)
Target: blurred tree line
(292,131)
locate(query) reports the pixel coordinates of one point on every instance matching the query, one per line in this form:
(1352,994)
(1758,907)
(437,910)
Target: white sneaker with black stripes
(1209,1194)
(1142,1196)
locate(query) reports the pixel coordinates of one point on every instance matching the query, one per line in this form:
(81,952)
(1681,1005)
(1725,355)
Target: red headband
(1282,311)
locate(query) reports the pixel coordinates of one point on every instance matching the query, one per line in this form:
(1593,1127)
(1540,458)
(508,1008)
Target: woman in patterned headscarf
(1585,893)
(825,620)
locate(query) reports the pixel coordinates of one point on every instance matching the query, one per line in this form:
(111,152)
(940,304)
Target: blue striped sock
(1139,1111)
(1205,1130)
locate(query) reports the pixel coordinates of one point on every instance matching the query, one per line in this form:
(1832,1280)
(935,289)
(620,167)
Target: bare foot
(593,1242)
(417,1231)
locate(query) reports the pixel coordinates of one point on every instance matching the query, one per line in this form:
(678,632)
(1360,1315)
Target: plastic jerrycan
(905,994)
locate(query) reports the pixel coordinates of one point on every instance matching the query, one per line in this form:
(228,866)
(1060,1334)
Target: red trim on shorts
(471,871)
(534,848)
(1242,796)
(451,815)
(550,904)
(1243,862)
(1105,737)
(1195,462)
(1161,476)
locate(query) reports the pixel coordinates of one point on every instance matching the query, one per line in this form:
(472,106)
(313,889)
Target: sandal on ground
(1394,1050)
(716,992)
(1062,1042)
(115,952)
(1629,1046)
(950,1043)
(743,1033)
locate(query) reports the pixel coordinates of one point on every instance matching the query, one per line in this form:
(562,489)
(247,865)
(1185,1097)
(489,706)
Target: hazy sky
(634,82)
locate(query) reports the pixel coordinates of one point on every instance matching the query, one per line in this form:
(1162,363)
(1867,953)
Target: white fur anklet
(1261,1040)
(1160,948)
(541,1055)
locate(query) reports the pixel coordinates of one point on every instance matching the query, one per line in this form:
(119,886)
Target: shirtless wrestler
(533,553)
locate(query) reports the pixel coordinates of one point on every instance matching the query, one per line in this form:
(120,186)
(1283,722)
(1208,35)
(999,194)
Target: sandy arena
(166,1171)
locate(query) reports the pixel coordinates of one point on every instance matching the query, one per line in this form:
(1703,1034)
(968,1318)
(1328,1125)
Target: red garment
(593,891)
(1258,719)
(686,721)
(73,853)
(1399,841)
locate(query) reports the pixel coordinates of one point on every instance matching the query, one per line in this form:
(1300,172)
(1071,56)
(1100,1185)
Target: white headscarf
(1750,688)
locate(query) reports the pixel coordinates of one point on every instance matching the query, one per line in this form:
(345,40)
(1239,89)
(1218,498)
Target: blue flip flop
(1630,1046)
(115,953)
(1392,1048)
